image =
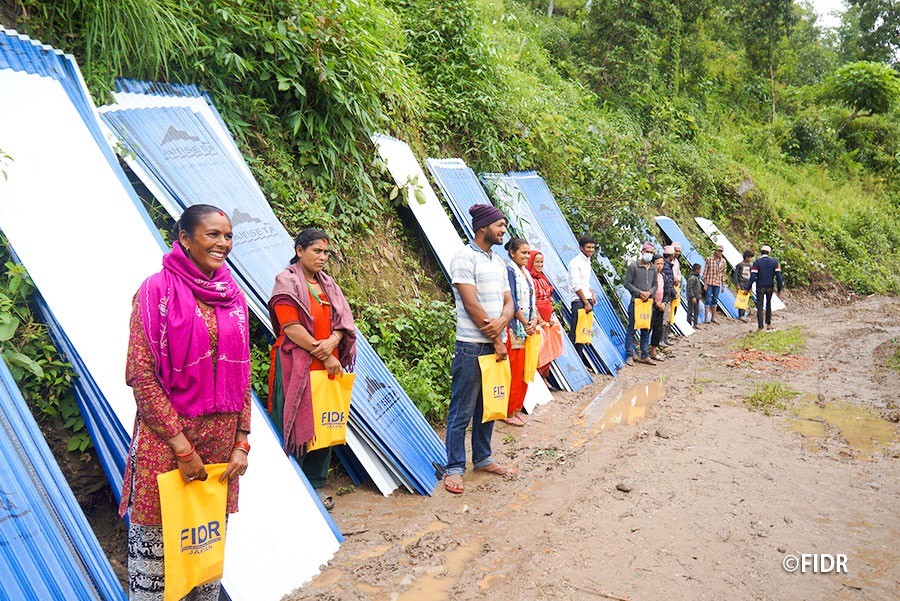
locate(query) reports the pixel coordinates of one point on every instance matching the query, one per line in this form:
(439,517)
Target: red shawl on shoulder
(290,284)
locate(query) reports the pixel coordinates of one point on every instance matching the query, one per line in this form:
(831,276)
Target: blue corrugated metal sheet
(674,234)
(47,547)
(28,70)
(540,198)
(22,54)
(188,161)
(462,189)
(526,223)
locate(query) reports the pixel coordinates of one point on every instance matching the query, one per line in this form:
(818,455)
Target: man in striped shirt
(713,280)
(484,307)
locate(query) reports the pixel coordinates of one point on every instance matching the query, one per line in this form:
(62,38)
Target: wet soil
(662,484)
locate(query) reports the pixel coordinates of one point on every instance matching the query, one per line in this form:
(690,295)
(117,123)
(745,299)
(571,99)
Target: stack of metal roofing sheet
(47,547)
(539,197)
(732,254)
(436,225)
(73,218)
(602,351)
(181,151)
(674,234)
(462,189)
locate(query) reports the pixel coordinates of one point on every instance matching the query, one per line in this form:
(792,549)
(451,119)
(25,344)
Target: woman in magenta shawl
(315,331)
(189,368)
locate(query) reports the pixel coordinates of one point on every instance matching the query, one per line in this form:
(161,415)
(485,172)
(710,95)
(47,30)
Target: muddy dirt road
(663,484)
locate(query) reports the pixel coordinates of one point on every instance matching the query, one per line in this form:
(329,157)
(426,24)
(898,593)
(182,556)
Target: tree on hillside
(864,87)
(633,46)
(870,31)
(765,23)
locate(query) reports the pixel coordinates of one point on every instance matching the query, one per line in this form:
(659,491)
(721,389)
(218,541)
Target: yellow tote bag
(742,300)
(676,302)
(331,407)
(496,378)
(532,353)
(584,327)
(643,310)
(193,521)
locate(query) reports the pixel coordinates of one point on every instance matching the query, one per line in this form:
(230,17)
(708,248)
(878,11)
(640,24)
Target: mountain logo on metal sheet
(381,397)
(17,530)
(173,135)
(238,217)
(179,144)
(8,509)
(250,232)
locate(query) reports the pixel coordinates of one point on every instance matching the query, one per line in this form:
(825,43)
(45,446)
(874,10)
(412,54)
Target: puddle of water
(436,584)
(627,407)
(861,427)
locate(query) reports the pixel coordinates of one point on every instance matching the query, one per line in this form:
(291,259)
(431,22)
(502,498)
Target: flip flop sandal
(514,421)
(497,469)
(453,486)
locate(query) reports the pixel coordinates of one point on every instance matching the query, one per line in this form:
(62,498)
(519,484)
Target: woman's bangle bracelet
(183,456)
(242,445)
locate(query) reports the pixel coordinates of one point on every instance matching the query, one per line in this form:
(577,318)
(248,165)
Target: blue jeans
(712,295)
(466,405)
(629,339)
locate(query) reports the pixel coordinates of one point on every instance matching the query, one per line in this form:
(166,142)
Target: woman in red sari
(543,292)
(315,332)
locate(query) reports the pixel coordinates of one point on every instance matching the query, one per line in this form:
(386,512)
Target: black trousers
(764,297)
(657,323)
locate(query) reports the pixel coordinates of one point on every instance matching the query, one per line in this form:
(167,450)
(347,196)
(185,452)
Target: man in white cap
(714,279)
(765,273)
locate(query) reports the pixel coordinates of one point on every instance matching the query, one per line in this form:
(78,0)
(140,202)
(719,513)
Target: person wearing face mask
(641,282)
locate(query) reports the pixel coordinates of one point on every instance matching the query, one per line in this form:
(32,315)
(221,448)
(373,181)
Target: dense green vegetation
(744,112)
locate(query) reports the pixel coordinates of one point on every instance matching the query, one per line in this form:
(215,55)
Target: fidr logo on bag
(333,419)
(499,392)
(198,539)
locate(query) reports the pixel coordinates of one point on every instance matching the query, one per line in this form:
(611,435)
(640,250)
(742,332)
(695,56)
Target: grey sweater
(640,279)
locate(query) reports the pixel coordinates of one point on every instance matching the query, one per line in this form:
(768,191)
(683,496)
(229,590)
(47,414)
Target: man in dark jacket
(640,280)
(766,274)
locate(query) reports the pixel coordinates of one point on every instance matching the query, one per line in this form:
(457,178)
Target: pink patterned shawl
(179,338)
